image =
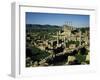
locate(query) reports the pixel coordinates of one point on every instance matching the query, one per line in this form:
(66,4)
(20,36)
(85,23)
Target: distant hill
(38,26)
(47,27)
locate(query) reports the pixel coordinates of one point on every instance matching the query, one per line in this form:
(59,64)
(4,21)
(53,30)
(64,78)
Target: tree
(83,51)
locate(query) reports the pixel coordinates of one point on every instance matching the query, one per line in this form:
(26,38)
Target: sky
(75,20)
